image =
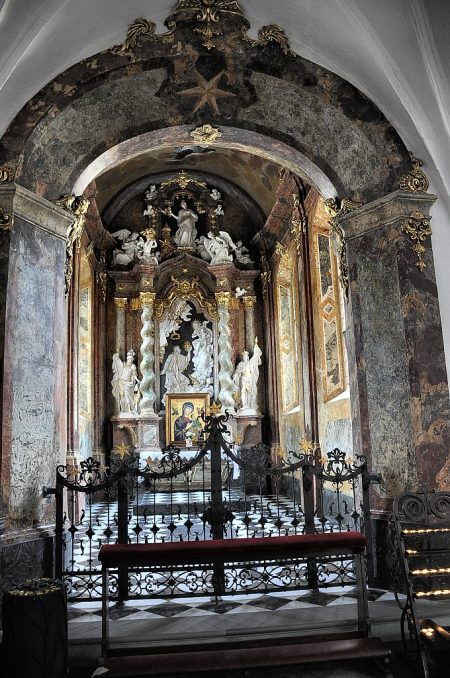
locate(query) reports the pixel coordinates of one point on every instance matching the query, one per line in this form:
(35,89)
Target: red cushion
(231,550)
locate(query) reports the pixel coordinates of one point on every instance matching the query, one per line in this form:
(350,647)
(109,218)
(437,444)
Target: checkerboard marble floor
(163,516)
(85,611)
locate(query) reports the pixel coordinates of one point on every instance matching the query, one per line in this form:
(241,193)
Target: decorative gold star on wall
(122,450)
(207,92)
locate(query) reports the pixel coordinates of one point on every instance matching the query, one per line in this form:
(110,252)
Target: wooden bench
(220,557)
(420,534)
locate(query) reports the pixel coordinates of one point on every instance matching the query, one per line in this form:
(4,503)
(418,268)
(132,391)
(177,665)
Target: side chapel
(197,218)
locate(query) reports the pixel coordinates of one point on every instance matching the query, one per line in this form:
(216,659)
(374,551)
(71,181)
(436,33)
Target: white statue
(150,193)
(125,384)
(215,195)
(242,254)
(132,244)
(219,211)
(218,247)
(239,292)
(203,357)
(174,368)
(246,380)
(146,254)
(186,231)
(149,211)
(170,322)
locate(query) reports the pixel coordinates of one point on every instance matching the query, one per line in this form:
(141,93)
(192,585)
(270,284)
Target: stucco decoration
(218,78)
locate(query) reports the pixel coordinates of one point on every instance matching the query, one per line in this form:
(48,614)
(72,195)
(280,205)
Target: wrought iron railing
(206,497)
(420,568)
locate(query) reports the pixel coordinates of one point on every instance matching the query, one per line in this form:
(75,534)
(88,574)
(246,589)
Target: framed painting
(185,413)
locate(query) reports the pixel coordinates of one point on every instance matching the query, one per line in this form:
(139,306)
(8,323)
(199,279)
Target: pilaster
(399,389)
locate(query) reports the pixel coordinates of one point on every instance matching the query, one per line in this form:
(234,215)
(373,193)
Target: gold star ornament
(216,409)
(122,450)
(207,92)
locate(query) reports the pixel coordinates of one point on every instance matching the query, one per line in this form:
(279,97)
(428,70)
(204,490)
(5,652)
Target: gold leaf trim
(121,303)
(416,181)
(78,206)
(417,227)
(6,221)
(186,288)
(276,34)
(206,134)
(6,174)
(140,28)
(338,236)
(183,180)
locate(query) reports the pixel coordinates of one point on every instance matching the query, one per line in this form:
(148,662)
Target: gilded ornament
(209,12)
(120,303)
(206,134)
(182,180)
(6,174)
(136,304)
(298,223)
(336,211)
(186,288)
(272,33)
(216,408)
(416,181)
(280,249)
(266,279)
(143,27)
(417,227)
(122,450)
(78,206)
(147,298)
(6,221)
(223,298)
(249,302)
(102,281)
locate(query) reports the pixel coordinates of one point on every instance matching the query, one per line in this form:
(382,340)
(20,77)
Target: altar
(185,331)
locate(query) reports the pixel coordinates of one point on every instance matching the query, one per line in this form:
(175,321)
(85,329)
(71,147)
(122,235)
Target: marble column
(398,379)
(226,384)
(147,365)
(34,361)
(250,323)
(121,304)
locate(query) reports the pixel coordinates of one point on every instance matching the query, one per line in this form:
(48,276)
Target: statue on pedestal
(203,357)
(186,231)
(245,378)
(125,384)
(174,368)
(132,245)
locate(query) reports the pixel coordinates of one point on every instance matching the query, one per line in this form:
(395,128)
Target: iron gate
(214,495)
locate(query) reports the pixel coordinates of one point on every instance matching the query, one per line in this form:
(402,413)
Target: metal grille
(214,495)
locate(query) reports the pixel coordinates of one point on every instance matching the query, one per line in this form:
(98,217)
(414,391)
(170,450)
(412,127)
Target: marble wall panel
(34,374)
(381,360)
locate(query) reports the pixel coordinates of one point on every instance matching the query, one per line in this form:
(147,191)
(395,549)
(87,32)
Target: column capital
(249,302)
(223,299)
(385,211)
(20,202)
(147,298)
(120,303)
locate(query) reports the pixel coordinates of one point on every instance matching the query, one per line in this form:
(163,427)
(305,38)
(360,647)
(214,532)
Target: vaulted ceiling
(395,51)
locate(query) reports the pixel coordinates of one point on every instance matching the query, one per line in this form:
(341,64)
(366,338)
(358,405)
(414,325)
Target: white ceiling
(396,51)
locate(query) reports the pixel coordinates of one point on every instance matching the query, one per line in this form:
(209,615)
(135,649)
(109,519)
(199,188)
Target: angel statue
(186,231)
(246,380)
(132,245)
(125,384)
(218,247)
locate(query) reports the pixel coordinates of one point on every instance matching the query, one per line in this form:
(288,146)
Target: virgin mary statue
(186,231)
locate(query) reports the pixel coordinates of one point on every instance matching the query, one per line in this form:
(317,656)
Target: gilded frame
(176,419)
